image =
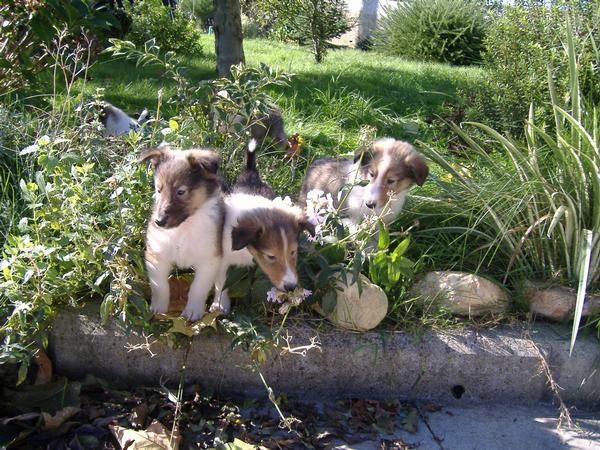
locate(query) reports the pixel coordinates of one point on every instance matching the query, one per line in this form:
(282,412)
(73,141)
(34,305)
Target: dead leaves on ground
(93,414)
(155,437)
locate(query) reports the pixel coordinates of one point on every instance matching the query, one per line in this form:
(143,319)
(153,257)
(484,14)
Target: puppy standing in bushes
(259,229)
(116,121)
(383,173)
(186,225)
(260,126)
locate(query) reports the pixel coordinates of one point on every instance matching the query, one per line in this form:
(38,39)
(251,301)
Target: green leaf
(383,241)
(22,374)
(586,251)
(401,248)
(329,301)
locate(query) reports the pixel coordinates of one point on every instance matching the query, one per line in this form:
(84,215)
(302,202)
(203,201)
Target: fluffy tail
(251,156)
(143,117)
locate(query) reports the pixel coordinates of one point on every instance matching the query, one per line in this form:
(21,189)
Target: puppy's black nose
(289,286)
(371,205)
(160,221)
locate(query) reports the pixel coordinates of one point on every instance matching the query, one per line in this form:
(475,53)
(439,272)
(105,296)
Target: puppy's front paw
(220,308)
(223,304)
(193,312)
(159,306)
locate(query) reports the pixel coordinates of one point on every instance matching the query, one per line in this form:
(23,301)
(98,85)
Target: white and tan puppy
(259,230)
(380,175)
(186,225)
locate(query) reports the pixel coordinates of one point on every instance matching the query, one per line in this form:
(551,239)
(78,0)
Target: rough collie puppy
(117,122)
(270,125)
(381,176)
(260,126)
(259,230)
(186,225)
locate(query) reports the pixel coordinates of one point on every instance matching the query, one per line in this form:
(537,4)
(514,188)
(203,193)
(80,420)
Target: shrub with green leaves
(170,28)
(81,233)
(434,30)
(28,31)
(522,47)
(312,22)
(198,10)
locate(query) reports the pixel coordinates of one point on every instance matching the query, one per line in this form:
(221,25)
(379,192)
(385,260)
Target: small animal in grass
(259,229)
(116,121)
(186,225)
(380,175)
(260,126)
(268,125)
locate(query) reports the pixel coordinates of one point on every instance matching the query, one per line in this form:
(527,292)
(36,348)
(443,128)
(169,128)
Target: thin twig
(565,415)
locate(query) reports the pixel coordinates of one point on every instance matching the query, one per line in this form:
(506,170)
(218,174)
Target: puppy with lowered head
(259,230)
(185,228)
(381,176)
(116,122)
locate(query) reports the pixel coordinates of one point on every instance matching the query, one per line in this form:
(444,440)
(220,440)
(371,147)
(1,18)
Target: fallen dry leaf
(139,415)
(44,365)
(61,416)
(155,437)
(179,287)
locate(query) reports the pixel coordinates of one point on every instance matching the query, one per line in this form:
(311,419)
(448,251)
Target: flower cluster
(319,208)
(287,299)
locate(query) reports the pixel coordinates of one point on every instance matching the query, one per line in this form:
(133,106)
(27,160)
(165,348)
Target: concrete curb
(501,364)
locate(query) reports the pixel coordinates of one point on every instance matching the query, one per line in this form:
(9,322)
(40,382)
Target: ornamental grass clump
(532,205)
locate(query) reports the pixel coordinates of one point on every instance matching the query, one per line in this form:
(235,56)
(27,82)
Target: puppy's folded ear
(245,233)
(305,225)
(156,155)
(418,166)
(364,154)
(205,160)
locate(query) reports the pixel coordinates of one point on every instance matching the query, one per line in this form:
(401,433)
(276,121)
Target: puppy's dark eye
(390,182)
(180,192)
(372,174)
(158,190)
(293,252)
(270,258)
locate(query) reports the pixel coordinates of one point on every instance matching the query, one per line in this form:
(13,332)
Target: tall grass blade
(586,252)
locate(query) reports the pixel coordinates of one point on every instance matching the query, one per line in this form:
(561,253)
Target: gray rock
(557,302)
(463,294)
(359,312)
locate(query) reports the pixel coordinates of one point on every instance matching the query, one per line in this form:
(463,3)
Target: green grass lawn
(330,98)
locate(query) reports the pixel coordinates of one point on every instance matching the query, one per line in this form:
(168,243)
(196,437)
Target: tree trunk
(228,35)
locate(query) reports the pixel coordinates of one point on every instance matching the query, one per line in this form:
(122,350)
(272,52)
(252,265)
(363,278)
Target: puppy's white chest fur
(192,242)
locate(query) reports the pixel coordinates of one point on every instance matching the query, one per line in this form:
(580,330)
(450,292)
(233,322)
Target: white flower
(273,296)
(288,299)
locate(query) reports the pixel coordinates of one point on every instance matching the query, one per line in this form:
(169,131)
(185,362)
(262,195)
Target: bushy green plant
(28,31)
(199,10)
(307,21)
(170,28)
(521,47)
(80,235)
(434,30)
